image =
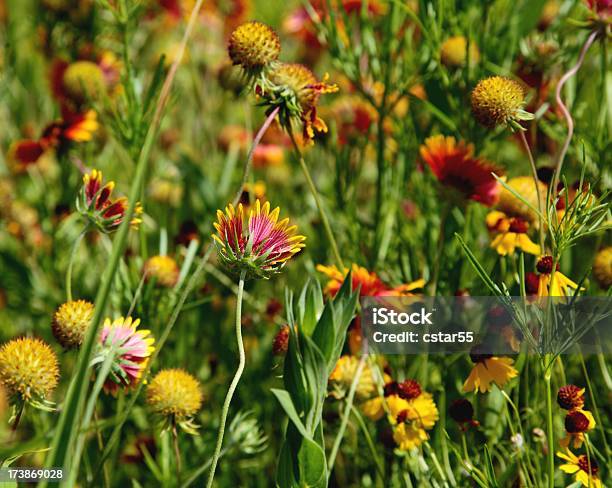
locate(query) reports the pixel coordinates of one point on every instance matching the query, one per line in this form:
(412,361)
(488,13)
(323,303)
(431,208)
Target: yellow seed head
(71,321)
(602,268)
(497,100)
(84,79)
(453,52)
(28,368)
(164,269)
(253,45)
(299,79)
(174,392)
(525,187)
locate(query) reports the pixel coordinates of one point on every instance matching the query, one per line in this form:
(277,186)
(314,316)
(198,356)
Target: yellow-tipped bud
(71,321)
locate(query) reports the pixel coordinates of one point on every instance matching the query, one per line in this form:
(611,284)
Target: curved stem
(565,111)
(315,194)
(249,161)
(347,413)
(234,383)
(534,172)
(73,252)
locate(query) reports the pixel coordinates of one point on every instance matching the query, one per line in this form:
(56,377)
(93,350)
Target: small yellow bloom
(344,373)
(163,269)
(453,52)
(511,233)
(374,408)
(487,370)
(553,284)
(497,100)
(602,268)
(174,392)
(526,188)
(584,470)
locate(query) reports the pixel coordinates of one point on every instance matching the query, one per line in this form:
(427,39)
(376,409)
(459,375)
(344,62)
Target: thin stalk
(368,437)
(534,173)
(568,117)
(18,417)
(233,384)
(549,424)
(69,421)
(177,452)
(73,252)
(345,416)
(315,194)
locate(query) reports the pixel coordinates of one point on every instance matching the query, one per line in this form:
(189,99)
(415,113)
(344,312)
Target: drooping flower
(602,268)
(553,284)
(369,282)
(499,101)
(296,91)
(254,46)
(130,349)
(570,397)
(29,370)
(163,269)
(176,396)
(489,369)
(258,246)
(454,51)
(585,470)
(454,165)
(71,321)
(96,205)
(510,233)
(577,423)
(411,417)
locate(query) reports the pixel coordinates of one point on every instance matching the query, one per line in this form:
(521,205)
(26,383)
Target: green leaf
(284,399)
(312,464)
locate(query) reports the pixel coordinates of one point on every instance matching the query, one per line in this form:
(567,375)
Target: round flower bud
(84,79)
(453,52)
(526,188)
(28,368)
(163,269)
(602,268)
(570,397)
(576,422)
(174,392)
(70,322)
(254,45)
(408,389)
(497,101)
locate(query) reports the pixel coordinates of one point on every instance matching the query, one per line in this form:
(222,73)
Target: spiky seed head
(71,321)
(28,368)
(498,101)
(174,392)
(570,397)
(253,45)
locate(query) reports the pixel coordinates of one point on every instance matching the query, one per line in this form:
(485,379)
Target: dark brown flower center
(545,265)
(519,226)
(583,464)
(570,397)
(409,389)
(461,411)
(576,422)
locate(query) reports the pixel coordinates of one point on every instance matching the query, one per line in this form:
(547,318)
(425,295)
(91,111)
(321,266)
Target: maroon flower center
(545,265)
(570,397)
(409,389)
(576,422)
(401,417)
(583,464)
(461,411)
(391,388)
(518,226)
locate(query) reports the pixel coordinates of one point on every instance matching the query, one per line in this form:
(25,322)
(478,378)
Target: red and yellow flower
(258,246)
(510,233)
(585,470)
(454,165)
(553,284)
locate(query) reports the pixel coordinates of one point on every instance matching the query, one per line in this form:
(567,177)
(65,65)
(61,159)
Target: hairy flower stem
(73,252)
(534,172)
(568,117)
(234,383)
(177,451)
(346,414)
(549,423)
(60,454)
(315,194)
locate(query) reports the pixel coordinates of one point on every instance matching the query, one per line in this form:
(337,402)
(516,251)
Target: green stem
(534,172)
(368,437)
(73,252)
(234,383)
(345,416)
(549,423)
(315,194)
(177,452)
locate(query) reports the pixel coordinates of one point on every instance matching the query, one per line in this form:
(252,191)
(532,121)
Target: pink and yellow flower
(258,246)
(453,164)
(131,349)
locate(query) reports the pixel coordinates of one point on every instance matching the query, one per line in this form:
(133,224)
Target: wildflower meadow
(305,243)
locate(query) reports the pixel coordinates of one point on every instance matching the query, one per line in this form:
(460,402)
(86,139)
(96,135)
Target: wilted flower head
(499,101)
(570,397)
(29,370)
(254,46)
(177,396)
(97,206)
(163,269)
(454,165)
(453,52)
(258,246)
(296,90)
(71,321)
(130,349)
